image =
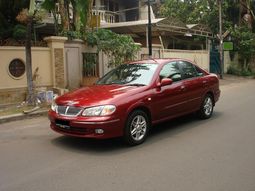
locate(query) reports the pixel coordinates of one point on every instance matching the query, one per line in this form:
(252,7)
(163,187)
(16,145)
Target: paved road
(182,155)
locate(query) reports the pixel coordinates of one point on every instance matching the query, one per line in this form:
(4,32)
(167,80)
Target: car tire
(136,128)
(206,108)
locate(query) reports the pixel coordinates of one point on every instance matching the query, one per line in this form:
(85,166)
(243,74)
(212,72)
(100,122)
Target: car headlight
(99,110)
(54,106)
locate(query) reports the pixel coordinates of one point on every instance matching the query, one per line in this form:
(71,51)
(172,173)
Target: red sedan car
(133,97)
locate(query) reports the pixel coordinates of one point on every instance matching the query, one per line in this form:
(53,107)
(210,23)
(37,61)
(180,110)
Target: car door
(169,99)
(193,84)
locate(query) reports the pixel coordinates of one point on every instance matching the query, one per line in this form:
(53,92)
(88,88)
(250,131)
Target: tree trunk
(246,65)
(74,5)
(30,97)
(89,13)
(55,16)
(64,15)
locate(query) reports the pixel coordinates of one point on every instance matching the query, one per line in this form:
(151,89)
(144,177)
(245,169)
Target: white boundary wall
(199,57)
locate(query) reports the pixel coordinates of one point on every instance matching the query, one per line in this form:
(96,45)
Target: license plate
(63,124)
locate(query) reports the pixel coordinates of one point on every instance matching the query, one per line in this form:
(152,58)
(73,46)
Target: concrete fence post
(56,45)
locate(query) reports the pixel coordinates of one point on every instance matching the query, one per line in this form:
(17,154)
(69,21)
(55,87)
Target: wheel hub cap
(138,127)
(208,105)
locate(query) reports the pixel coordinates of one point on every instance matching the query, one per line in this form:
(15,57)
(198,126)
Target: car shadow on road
(176,126)
(157,134)
(77,144)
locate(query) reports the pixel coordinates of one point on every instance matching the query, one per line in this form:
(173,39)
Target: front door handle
(204,82)
(183,88)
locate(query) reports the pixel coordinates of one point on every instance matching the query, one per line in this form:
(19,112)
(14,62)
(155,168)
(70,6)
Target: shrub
(119,48)
(234,70)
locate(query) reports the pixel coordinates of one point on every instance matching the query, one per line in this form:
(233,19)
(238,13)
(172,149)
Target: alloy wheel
(138,127)
(208,106)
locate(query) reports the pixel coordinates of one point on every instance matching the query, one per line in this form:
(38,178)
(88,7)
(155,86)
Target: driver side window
(170,70)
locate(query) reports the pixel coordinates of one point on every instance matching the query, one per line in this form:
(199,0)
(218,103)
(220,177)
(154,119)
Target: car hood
(97,95)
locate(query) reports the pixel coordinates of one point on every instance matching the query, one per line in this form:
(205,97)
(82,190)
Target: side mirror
(166,81)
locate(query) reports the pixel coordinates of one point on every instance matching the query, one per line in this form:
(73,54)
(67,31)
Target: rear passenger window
(172,71)
(188,70)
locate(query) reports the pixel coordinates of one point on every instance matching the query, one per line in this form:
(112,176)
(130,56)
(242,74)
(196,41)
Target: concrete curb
(20,116)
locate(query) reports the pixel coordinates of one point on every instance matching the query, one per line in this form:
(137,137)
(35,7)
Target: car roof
(158,60)
(164,61)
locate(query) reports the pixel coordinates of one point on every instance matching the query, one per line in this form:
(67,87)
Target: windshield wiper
(112,83)
(136,84)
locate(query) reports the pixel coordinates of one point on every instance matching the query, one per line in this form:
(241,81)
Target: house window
(17,68)
(110,5)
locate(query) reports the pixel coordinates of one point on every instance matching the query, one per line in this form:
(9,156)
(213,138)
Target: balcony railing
(105,16)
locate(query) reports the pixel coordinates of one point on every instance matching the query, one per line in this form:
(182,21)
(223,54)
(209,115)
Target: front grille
(68,110)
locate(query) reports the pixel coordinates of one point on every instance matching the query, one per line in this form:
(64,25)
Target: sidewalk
(230,79)
(227,80)
(20,116)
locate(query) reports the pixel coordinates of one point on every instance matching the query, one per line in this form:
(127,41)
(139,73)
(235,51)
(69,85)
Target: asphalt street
(185,154)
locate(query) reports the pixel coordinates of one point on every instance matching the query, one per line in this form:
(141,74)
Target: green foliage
(82,9)
(77,23)
(201,12)
(70,34)
(19,32)
(185,10)
(120,48)
(50,5)
(207,12)
(192,11)
(234,70)
(245,45)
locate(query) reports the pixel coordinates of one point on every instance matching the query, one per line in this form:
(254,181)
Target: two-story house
(131,18)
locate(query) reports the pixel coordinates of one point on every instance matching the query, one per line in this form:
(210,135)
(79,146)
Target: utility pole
(149,28)
(221,40)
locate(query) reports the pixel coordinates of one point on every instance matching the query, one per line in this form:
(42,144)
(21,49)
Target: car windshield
(130,74)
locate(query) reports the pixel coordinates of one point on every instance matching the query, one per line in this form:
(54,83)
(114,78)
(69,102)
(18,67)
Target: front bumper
(86,126)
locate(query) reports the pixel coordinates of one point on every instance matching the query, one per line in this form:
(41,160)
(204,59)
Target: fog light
(99,131)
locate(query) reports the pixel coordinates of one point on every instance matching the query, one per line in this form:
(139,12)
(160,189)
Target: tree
(198,12)
(246,15)
(9,9)
(63,11)
(245,45)
(242,34)
(50,5)
(238,17)
(81,13)
(28,16)
(74,26)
